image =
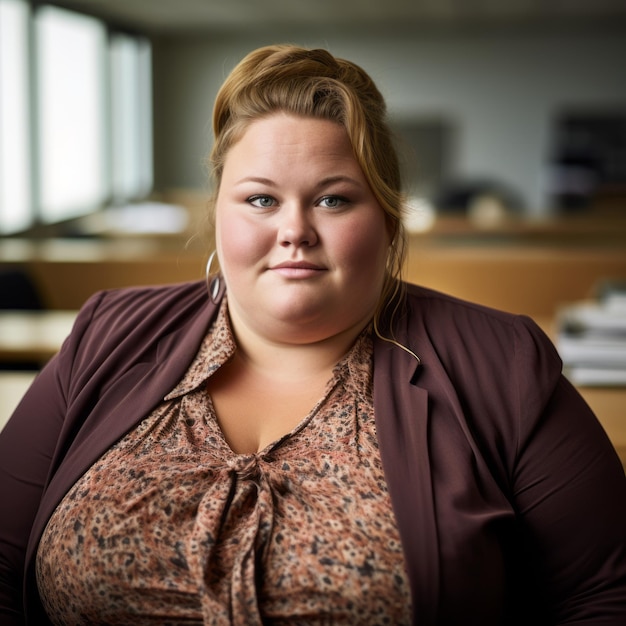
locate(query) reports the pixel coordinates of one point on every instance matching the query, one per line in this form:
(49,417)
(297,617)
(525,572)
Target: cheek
(238,242)
(365,245)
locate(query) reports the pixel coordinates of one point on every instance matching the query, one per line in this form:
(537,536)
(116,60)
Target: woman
(311,441)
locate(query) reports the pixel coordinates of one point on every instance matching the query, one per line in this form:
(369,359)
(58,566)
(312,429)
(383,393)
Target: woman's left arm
(570,493)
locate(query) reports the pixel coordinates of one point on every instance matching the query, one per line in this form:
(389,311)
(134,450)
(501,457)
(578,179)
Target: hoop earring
(213,284)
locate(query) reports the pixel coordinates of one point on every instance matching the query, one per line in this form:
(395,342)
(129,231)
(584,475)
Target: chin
(299,313)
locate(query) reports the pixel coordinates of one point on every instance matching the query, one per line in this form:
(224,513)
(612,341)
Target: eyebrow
(329,180)
(255,179)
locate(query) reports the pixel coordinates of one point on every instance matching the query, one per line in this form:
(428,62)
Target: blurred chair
(19,292)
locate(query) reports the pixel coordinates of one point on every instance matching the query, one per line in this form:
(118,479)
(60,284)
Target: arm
(27,446)
(570,493)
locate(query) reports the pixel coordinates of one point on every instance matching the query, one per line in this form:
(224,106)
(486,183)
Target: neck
(292,361)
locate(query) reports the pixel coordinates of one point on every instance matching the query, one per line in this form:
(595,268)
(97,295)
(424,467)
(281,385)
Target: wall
(500,91)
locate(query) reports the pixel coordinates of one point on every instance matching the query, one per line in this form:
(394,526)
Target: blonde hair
(313,83)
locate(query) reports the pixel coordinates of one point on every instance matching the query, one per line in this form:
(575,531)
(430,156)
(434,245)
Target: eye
(263,202)
(332,202)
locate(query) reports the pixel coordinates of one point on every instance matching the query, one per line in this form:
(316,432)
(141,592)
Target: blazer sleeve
(569,490)
(27,446)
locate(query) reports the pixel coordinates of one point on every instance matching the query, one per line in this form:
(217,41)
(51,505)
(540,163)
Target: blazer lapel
(402,419)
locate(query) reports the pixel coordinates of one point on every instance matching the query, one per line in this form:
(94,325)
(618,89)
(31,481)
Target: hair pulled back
(314,83)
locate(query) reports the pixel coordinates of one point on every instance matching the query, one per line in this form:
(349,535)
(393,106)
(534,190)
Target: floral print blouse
(170,526)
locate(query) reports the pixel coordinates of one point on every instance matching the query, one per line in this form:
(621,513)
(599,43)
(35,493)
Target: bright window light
(71,97)
(15,197)
(131,105)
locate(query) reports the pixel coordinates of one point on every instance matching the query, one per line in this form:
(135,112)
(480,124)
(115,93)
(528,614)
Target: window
(15,196)
(75,115)
(71,113)
(131,99)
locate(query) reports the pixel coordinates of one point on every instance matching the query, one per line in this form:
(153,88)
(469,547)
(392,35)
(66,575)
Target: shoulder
(489,374)
(475,347)
(136,317)
(148,298)
(140,306)
(430,305)
(469,326)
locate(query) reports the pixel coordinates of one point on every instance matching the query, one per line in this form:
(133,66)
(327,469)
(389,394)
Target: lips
(302,265)
(298,269)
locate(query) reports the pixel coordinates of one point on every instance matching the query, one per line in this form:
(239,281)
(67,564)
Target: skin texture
(293,193)
(302,244)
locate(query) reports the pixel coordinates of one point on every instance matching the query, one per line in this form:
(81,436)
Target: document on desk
(591,341)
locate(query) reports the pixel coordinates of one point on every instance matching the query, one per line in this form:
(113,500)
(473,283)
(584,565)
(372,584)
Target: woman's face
(301,239)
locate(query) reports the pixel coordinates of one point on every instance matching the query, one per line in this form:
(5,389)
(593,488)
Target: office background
(481,92)
(498,94)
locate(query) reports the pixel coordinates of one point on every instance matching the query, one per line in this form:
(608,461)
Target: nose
(296,228)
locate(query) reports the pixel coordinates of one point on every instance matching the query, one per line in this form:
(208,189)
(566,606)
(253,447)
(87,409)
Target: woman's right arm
(27,446)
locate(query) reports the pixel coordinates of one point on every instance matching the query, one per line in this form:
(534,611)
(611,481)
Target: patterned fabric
(171,526)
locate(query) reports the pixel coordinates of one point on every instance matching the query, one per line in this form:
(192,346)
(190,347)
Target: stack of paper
(592,340)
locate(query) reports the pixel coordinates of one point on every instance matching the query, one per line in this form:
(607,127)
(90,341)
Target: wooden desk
(535,280)
(609,405)
(13,386)
(33,335)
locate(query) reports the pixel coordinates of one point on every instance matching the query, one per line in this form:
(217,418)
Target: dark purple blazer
(510,500)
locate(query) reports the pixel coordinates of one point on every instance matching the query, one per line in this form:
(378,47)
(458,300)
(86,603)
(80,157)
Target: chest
(303,525)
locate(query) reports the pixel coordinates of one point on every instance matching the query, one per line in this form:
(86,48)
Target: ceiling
(210,15)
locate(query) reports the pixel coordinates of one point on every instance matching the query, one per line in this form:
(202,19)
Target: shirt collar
(216,348)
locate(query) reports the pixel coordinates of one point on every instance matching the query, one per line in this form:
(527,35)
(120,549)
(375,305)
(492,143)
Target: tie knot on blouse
(245,467)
